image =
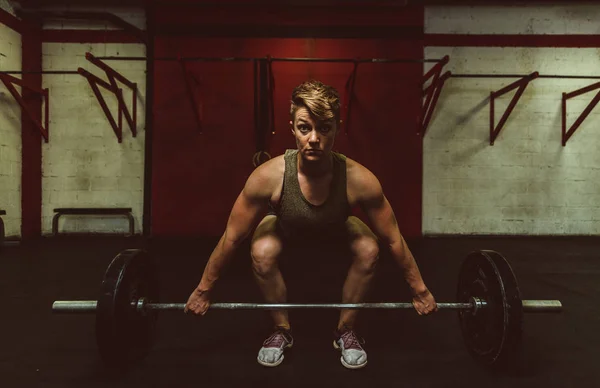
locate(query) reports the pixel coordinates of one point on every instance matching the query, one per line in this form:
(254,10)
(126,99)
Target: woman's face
(314,139)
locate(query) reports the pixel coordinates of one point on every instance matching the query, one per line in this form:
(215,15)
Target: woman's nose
(313,137)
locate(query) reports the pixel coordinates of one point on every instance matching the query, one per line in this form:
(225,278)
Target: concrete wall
(83,164)
(10,135)
(132,15)
(7,6)
(527,183)
(531,20)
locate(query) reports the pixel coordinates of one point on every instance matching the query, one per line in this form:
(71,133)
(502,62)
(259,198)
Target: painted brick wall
(84,165)
(516,19)
(131,15)
(527,183)
(10,135)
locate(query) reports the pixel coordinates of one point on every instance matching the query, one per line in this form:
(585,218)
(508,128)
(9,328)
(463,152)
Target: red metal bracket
(437,90)
(94,82)
(196,105)
(271,94)
(434,72)
(521,85)
(112,75)
(432,93)
(112,86)
(349,94)
(11,21)
(10,82)
(566,135)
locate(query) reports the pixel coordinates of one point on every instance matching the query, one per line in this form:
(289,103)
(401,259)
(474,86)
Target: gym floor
(42,349)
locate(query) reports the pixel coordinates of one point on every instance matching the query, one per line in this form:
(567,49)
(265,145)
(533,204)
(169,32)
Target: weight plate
(492,335)
(125,336)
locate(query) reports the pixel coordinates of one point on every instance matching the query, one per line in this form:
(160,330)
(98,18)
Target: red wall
(197,177)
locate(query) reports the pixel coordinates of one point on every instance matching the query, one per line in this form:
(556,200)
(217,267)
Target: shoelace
(351,341)
(275,340)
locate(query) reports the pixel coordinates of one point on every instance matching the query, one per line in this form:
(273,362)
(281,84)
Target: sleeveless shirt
(298,218)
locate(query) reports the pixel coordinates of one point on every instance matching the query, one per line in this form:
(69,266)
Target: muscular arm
(381,216)
(250,205)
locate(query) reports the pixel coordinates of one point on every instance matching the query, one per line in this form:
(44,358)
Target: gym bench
(117,211)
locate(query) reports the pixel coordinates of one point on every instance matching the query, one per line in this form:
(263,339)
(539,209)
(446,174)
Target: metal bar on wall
(248,59)
(525,75)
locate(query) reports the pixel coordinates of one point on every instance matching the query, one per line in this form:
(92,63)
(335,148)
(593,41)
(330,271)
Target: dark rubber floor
(41,349)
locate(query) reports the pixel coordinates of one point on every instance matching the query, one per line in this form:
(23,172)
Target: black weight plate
(492,335)
(123,335)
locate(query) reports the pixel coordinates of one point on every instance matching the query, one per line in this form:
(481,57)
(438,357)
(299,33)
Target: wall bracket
(112,86)
(566,135)
(10,82)
(521,85)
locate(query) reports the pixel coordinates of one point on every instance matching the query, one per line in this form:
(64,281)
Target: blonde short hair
(322,101)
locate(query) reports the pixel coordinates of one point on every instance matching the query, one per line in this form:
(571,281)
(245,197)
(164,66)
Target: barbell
(489,306)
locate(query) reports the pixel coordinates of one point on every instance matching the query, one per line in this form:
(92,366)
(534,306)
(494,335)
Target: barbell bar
(89,306)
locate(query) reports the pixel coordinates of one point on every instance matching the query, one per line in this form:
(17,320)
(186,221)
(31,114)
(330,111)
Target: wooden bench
(117,211)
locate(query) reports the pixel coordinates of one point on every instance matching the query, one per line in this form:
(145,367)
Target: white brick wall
(10,135)
(131,15)
(521,19)
(527,183)
(83,164)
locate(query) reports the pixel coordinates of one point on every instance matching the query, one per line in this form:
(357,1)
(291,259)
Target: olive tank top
(298,218)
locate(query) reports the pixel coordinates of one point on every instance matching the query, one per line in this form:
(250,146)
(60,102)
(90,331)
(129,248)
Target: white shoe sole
(344,363)
(270,365)
(276,363)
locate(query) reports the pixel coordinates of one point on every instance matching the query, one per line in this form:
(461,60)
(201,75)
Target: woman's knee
(265,253)
(366,253)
